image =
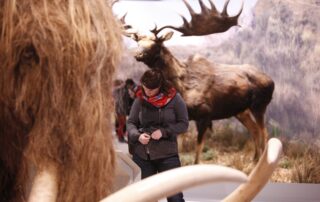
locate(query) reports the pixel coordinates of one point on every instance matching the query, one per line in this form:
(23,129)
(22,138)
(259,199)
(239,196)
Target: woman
(157,116)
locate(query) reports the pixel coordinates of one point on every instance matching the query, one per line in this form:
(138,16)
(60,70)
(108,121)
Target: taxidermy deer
(211,91)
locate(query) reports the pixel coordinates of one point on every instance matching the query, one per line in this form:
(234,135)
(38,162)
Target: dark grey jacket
(172,119)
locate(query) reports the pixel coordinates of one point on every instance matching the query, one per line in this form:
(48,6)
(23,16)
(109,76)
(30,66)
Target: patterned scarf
(159,100)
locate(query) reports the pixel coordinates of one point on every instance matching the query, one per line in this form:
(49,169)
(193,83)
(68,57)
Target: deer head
(150,47)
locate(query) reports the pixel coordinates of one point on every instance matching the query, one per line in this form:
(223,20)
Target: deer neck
(171,67)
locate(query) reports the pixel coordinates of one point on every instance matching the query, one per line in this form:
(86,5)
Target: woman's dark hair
(153,78)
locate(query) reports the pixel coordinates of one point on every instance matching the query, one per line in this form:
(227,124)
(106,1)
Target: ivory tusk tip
(274,150)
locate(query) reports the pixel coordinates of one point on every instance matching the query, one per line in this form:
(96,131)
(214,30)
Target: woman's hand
(156,135)
(144,138)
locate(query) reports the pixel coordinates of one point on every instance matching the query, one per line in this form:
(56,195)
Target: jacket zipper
(147,148)
(159,116)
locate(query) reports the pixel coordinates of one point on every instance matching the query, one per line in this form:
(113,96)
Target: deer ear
(166,36)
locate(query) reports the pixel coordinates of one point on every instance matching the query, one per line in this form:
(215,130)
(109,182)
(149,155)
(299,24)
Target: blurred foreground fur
(230,146)
(57,62)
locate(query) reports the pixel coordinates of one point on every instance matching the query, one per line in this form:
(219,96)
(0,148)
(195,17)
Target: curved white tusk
(260,174)
(170,182)
(45,186)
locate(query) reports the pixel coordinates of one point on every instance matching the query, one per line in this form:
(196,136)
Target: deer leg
(259,116)
(201,128)
(249,121)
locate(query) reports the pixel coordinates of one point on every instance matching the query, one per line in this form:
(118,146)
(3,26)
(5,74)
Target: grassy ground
(229,146)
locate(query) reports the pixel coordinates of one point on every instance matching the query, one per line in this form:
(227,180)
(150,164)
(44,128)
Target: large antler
(209,21)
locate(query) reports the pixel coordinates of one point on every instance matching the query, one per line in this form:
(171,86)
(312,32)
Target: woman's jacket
(171,119)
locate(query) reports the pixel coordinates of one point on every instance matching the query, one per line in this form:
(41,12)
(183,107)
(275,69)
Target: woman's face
(150,92)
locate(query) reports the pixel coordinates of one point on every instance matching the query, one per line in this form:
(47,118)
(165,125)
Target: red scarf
(159,100)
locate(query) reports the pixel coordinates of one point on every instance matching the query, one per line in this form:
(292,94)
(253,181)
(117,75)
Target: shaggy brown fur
(57,61)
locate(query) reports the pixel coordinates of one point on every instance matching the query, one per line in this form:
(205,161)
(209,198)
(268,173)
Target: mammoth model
(56,70)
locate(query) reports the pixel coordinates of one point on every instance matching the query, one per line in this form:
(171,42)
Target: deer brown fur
(213,91)
(57,62)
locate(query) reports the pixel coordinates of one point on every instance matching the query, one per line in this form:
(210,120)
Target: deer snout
(139,56)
